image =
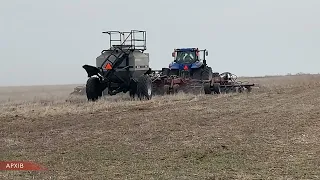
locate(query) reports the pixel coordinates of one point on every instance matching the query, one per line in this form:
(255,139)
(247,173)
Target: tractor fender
(91,70)
(174,65)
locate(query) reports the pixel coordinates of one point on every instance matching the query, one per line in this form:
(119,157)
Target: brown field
(272,133)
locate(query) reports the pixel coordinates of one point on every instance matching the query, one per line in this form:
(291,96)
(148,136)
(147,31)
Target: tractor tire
(166,89)
(206,73)
(216,88)
(144,87)
(196,74)
(207,88)
(93,89)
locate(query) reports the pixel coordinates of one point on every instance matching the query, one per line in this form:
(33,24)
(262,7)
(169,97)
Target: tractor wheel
(206,73)
(93,89)
(207,88)
(216,88)
(175,88)
(166,89)
(144,87)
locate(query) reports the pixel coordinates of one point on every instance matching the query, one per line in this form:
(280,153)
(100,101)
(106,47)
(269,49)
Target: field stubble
(272,133)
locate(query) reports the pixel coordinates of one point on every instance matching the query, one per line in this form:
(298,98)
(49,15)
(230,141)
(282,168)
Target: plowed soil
(271,133)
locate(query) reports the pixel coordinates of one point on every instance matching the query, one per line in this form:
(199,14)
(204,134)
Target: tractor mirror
(207,53)
(173,54)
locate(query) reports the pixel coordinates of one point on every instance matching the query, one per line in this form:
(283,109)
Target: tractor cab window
(186,57)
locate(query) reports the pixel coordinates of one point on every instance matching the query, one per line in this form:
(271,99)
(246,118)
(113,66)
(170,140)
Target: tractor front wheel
(93,89)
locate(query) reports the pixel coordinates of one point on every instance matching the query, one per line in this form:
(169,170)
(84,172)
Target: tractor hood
(175,65)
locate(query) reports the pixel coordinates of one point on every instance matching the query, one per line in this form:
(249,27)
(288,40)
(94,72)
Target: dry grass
(272,133)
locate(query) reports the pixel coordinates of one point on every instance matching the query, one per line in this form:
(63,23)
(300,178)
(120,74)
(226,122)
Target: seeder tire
(144,87)
(93,89)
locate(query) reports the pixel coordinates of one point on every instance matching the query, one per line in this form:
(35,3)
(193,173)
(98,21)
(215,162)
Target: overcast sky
(47,42)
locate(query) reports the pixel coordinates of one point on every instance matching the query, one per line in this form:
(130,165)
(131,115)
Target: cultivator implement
(226,83)
(172,84)
(220,83)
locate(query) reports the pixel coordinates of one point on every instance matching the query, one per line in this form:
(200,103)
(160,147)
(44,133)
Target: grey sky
(47,42)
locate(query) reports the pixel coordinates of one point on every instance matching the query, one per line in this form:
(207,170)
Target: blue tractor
(187,63)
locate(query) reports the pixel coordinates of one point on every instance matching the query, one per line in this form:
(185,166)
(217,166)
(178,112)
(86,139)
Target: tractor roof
(186,49)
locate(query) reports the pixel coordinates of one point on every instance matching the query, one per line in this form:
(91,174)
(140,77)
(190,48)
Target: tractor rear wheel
(144,87)
(206,73)
(93,89)
(207,88)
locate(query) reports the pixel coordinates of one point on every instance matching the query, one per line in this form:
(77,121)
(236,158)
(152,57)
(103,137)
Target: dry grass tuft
(272,133)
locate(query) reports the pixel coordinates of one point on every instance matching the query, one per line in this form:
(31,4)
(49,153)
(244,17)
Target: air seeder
(187,72)
(121,68)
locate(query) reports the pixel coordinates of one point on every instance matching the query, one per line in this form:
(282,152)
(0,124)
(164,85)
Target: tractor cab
(187,60)
(186,56)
